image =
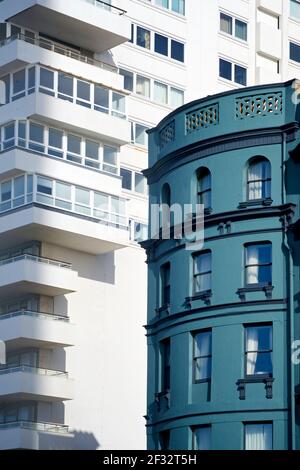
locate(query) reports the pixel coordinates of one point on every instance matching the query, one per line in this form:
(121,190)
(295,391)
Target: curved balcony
(24,329)
(93,24)
(27,273)
(34,435)
(27,383)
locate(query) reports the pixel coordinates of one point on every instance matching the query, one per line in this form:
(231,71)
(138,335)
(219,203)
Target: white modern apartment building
(80,83)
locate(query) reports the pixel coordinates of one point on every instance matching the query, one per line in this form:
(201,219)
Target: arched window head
(166,194)
(204,187)
(259,179)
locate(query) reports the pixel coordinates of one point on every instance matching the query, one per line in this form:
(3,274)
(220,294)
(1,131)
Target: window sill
(256,202)
(202,381)
(162,400)
(204,295)
(163,309)
(265,379)
(266,288)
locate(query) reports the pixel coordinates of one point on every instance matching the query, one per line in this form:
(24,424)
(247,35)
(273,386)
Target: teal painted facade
(223,133)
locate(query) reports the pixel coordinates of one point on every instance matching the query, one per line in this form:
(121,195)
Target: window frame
(195,358)
(258,284)
(197,275)
(233,71)
(234,19)
(264,181)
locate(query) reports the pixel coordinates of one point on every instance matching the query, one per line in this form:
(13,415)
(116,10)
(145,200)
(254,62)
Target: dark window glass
(177,50)
(202,355)
(202,272)
(46,78)
(101,98)
(225,70)
(225,23)
(259,350)
(65,86)
(126,179)
(165,272)
(295,52)
(128,79)
(241,30)
(166,365)
(161,44)
(204,188)
(2,31)
(164,440)
(258,267)
(143,37)
(240,75)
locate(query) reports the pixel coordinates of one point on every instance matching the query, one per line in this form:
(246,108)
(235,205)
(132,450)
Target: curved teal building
(223,318)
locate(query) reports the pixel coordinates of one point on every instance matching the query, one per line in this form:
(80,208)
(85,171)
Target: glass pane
(241,30)
(55,138)
(6,191)
(101,201)
(31,78)
(101,97)
(143,37)
(143,86)
(126,179)
(240,75)
(225,69)
(140,183)
(177,97)
(36,133)
(202,263)
(65,84)
(203,344)
(160,93)
(259,436)
(202,282)
(92,149)
(19,186)
(83,90)
(141,136)
(177,50)
(203,368)
(82,196)
(259,254)
(74,144)
(118,102)
(2,31)
(9,131)
(178,6)
(161,44)
(202,438)
(44,185)
(162,3)
(63,190)
(18,81)
(6,81)
(225,23)
(295,9)
(47,78)
(294,52)
(110,155)
(128,79)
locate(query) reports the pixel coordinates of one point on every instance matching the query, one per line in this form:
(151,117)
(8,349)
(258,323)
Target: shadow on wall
(99,268)
(78,440)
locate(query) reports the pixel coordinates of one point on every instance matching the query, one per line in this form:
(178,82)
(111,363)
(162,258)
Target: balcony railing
(35,426)
(60,49)
(33,370)
(107,6)
(29,313)
(35,259)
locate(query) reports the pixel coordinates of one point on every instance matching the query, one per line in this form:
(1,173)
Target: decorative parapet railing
(167,134)
(41,315)
(107,6)
(36,426)
(202,117)
(258,105)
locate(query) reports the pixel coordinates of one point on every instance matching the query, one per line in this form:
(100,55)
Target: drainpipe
(290,302)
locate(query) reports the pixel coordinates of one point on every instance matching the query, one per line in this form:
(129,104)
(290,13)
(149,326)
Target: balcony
(19,50)
(33,383)
(34,436)
(94,24)
(25,329)
(37,275)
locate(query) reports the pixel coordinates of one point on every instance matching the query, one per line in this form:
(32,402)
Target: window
(63,195)
(55,142)
(258,360)
(258,436)
(65,87)
(36,137)
(202,272)
(160,92)
(139,134)
(177,97)
(44,185)
(82,201)
(258,266)
(143,37)
(295,9)
(92,153)
(233,26)
(259,179)
(126,179)
(128,79)
(83,94)
(177,50)
(225,23)
(177,6)
(9,136)
(202,359)
(202,438)
(164,440)
(140,185)
(101,99)
(143,86)
(165,271)
(225,71)
(118,105)
(110,159)
(18,85)
(161,44)
(46,81)
(165,351)
(74,148)
(294,52)
(3,33)
(204,187)
(19,191)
